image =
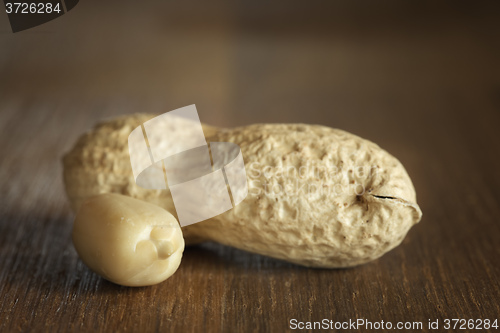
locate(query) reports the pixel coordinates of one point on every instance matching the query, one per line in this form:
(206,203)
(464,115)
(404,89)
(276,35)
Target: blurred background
(246,62)
(420,78)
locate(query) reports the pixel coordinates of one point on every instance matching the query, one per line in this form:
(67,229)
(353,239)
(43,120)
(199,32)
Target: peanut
(127,241)
(318,196)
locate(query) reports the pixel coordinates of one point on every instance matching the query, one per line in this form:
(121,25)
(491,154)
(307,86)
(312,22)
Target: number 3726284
(32,8)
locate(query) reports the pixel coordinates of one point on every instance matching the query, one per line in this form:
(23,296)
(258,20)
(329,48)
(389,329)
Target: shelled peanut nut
(127,241)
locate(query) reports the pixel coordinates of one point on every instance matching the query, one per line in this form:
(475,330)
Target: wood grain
(424,84)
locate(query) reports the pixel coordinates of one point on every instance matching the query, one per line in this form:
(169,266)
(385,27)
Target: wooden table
(422,81)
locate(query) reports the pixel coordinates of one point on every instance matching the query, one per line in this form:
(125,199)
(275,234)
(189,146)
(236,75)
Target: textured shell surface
(318,196)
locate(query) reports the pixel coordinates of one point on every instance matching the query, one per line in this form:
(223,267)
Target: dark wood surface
(421,81)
